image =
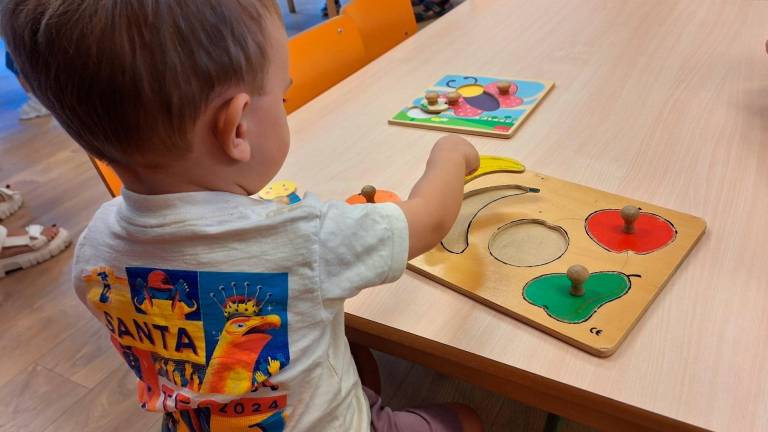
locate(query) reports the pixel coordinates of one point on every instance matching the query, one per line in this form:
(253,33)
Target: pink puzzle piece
(508,100)
(463,109)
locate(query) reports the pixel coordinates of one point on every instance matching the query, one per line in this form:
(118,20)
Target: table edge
(523,386)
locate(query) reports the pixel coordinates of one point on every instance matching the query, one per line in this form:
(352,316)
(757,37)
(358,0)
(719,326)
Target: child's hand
(435,200)
(460,146)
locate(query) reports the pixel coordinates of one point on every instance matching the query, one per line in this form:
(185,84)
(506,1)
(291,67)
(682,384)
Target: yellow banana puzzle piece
(495,164)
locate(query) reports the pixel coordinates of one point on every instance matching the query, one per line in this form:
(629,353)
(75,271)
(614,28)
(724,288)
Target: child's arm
(435,200)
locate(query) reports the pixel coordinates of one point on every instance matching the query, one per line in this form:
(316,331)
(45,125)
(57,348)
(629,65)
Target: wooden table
(665,101)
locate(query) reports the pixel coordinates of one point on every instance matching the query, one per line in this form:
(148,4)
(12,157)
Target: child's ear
(231,131)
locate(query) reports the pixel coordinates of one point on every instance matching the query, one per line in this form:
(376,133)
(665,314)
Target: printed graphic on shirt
(206,346)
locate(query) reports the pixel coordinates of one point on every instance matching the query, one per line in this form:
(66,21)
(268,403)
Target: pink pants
(436,418)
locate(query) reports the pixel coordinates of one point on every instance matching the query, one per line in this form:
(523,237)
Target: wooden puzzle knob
(503,87)
(630,214)
(578,274)
(431,98)
(369,193)
(453,97)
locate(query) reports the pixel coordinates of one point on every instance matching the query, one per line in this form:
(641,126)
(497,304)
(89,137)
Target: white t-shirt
(230,310)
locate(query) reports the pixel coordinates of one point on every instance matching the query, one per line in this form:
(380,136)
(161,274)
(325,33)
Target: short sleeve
(360,246)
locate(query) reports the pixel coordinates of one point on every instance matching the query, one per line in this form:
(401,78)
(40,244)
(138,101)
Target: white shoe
(42,249)
(11,202)
(33,109)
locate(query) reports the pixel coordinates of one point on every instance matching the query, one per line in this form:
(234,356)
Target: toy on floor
(370,195)
(580,264)
(474,105)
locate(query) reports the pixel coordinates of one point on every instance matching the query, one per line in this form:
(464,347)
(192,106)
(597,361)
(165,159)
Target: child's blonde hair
(127,79)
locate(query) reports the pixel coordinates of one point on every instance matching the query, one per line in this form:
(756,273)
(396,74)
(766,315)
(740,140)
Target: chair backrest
(321,57)
(382,24)
(108,176)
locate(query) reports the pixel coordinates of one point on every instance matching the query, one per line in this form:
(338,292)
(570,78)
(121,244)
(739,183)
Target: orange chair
(382,24)
(321,57)
(108,176)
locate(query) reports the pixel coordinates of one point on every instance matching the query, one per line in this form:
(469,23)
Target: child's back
(228,309)
(257,310)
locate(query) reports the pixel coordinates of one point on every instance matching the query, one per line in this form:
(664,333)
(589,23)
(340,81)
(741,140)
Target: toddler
(228,309)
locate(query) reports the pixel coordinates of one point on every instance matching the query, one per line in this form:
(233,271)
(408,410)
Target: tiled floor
(307,15)
(11,94)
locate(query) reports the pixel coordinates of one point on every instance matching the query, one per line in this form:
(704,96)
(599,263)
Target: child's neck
(175,179)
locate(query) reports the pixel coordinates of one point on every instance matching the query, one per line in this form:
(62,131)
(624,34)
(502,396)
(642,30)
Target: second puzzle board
(476,105)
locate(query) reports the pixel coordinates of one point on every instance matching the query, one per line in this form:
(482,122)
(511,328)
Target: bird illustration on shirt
(231,368)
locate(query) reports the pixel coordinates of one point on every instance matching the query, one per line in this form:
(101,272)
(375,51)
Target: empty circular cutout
(528,243)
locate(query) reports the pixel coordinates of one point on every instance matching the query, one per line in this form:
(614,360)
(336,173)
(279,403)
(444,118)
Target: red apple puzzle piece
(652,232)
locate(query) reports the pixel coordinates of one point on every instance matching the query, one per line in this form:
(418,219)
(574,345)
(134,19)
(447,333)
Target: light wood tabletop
(663,101)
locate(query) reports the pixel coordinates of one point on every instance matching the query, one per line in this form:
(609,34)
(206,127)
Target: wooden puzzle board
(481,110)
(476,273)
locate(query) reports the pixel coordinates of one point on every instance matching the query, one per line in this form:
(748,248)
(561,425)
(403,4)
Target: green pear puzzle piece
(551,292)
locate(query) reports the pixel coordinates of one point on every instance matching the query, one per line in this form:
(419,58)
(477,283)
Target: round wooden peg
(578,274)
(503,87)
(630,214)
(369,193)
(431,97)
(453,97)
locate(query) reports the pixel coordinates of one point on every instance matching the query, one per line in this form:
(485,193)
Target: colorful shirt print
(230,310)
(206,346)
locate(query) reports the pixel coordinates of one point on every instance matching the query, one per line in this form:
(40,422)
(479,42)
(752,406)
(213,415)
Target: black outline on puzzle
(546,309)
(523,190)
(553,227)
(586,228)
